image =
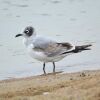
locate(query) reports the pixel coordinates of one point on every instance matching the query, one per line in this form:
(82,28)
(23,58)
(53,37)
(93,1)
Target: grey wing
(51,48)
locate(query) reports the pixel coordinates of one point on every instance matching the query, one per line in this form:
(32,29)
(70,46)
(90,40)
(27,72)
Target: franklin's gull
(48,50)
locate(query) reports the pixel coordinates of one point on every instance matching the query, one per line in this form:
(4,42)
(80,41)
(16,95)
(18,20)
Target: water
(77,21)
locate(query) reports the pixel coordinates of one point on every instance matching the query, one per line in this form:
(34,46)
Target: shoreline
(76,85)
(48,74)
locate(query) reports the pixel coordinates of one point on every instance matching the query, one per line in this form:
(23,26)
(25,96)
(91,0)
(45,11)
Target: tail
(79,49)
(82,48)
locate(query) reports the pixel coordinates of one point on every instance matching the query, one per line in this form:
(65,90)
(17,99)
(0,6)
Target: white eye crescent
(26,31)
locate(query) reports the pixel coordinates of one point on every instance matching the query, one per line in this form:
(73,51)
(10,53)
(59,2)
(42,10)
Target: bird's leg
(44,68)
(53,67)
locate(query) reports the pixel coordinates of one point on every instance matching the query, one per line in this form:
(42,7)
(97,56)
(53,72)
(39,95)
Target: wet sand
(69,86)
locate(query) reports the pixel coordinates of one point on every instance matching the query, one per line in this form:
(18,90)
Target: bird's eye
(26,31)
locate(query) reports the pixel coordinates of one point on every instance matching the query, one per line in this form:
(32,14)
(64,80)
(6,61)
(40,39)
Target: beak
(18,35)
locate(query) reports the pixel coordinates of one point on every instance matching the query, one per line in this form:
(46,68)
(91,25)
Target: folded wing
(51,48)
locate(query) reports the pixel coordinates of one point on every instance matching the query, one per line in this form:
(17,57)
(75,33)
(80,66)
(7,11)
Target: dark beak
(18,35)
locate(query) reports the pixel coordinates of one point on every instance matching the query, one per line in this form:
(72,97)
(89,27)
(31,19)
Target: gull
(47,50)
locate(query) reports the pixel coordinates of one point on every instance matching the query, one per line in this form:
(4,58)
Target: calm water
(77,21)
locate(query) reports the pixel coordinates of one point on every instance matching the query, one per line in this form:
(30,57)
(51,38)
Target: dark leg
(53,67)
(44,68)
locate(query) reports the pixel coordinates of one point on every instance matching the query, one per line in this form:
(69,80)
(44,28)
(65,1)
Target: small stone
(83,74)
(71,78)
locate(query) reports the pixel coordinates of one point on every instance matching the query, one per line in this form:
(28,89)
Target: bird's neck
(28,40)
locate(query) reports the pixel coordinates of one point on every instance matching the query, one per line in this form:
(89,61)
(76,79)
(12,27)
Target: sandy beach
(74,21)
(68,86)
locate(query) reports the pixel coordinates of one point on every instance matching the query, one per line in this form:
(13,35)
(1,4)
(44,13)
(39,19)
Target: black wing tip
(89,45)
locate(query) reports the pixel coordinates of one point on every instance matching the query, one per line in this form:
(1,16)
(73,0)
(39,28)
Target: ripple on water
(5,9)
(55,1)
(45,14)
(20,5)
(73,19)
(1,45)
(6,2)
(83,11)
(18,16)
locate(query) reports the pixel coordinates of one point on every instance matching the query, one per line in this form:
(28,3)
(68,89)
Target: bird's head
(27,32)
